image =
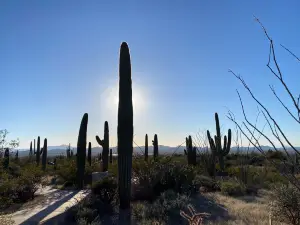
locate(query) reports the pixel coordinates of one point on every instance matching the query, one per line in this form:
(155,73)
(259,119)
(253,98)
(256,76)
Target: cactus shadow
(58,197)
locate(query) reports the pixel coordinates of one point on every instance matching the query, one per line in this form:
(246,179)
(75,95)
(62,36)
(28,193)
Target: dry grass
(248,210)
(6,220)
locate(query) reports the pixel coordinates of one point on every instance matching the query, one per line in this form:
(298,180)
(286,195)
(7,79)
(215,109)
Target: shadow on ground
(36,218)
(203,204)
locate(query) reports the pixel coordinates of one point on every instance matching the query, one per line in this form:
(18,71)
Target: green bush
(20,186)
(285,204)
(233,187)
(205,182)
(105,189)
(162,209)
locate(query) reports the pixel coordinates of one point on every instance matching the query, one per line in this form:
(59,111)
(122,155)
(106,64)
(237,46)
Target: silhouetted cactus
(110,156)
(146,148)
(105,145)
(44,155)
(38,152)
(30,150)
(68,151)
(72,153)
(216,146)
(81,151)
(89,158)
(17,156)
(55,163)
(155,147)
(191,151)
(125,128)
(34,146)
(6,159)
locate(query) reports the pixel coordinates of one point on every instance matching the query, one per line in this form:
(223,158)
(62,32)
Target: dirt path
(49,204)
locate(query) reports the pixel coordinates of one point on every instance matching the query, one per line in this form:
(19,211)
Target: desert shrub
(105,189)
(285,204)
(92,210)
(156,177)
(205,182)
(66,169)
(276,155)
(258,177)
(21,187)
(232,187)
(166,206)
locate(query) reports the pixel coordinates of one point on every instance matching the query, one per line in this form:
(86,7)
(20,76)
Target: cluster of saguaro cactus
(105,145)
(155,147)
(125,128)
(216,145)
(39,152)
(81,151)
(190,151)
(146,148)
(89,158)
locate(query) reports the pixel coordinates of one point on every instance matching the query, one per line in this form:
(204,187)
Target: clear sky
(59,59)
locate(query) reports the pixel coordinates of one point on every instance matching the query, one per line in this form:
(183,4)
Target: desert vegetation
(209,180)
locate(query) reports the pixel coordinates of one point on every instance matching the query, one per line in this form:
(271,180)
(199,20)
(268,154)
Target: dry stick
(262,106)
(290,52)
(258,147)
(280,78)
(276,135)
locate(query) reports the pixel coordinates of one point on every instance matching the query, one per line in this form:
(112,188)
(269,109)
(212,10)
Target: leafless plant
(279,135)
(6,144)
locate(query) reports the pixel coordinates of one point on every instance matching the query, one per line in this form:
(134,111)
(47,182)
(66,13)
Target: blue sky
(59,59)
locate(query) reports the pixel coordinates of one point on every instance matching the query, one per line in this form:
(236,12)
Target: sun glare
(137,99)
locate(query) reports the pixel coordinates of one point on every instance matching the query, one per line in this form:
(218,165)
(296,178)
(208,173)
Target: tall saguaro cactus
(89,158)
(44,156)
(146,148)
(125,128)
(155,147)
(81,151)
(105,145)
(38,152)
(216,145)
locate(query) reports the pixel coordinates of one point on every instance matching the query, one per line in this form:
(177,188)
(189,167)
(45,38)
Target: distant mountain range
(61,150)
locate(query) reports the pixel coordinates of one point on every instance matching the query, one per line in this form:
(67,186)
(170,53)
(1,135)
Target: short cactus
(146,148)
(191,151)
(44,155)
(38,152)
(155,147)
(105,146)
(6,159)
(30,150)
